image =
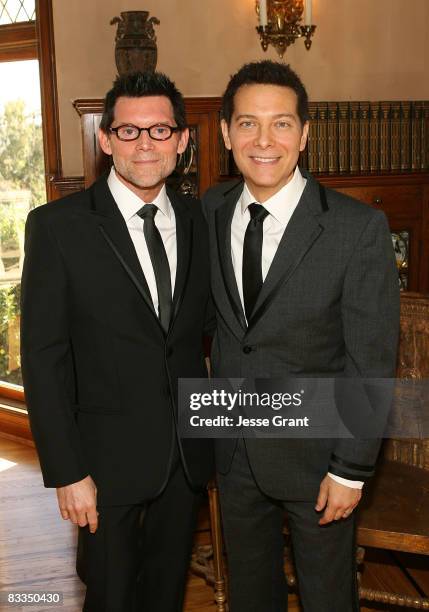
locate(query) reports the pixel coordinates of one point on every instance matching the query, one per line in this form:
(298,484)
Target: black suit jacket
(100,375)
(329,307)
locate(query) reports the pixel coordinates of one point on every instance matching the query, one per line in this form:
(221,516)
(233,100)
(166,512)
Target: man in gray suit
(305,285)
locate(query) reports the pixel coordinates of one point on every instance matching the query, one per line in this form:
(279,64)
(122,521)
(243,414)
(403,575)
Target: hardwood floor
(37,548)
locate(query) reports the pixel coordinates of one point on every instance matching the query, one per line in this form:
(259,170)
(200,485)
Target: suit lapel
(223,218)
(184,236)
(113,228)
(302,231)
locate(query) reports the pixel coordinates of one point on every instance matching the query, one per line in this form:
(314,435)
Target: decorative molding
(18,41)
(88,105)
(193,105)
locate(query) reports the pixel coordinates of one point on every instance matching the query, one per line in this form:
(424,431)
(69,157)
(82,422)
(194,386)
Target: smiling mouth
(265,160)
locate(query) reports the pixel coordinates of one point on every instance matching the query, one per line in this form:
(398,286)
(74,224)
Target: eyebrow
(278,116)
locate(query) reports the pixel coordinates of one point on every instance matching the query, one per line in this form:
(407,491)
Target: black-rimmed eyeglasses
(159,131)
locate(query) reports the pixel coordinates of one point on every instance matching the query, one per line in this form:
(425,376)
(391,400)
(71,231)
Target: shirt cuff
(353,484)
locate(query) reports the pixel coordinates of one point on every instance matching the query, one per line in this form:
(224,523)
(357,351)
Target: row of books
(361,137)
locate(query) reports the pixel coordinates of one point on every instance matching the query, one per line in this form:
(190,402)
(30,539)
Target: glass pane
(13,11)
(22,187)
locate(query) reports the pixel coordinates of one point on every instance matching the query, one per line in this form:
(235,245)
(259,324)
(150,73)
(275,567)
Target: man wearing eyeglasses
(115,301)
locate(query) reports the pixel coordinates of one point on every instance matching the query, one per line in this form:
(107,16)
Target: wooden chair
(394,513)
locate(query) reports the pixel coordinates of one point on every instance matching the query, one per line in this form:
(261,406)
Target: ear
(183,141)
(304,136)
(225,134)
(104,141)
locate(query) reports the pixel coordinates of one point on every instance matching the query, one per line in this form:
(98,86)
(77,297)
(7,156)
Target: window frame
(35,40)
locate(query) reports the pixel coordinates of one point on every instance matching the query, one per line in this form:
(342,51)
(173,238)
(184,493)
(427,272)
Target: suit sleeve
(370,315)
(46,356)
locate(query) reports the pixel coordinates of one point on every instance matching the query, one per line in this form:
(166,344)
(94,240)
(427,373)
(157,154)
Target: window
(22,187)
(29,155)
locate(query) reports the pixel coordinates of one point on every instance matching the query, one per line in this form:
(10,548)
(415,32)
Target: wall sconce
(280,23)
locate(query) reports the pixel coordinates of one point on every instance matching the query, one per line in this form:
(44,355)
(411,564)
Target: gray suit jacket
(329,307)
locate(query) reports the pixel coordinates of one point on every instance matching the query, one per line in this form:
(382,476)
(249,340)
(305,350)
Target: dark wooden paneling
(67,185)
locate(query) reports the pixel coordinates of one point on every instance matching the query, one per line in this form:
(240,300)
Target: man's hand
(338,500)
(78,502)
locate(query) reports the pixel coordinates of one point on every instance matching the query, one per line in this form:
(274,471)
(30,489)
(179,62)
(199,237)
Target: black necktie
(159,261)
(252,257)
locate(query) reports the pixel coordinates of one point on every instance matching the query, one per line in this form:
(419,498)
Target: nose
(263,137)
(144,141)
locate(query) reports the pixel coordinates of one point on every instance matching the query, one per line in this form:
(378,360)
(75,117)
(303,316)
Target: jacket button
(169,351)
(247,349)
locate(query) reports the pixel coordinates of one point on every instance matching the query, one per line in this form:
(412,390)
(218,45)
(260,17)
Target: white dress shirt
(165,220)
(280,207)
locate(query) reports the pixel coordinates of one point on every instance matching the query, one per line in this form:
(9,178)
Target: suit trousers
(253,523)
(138,559)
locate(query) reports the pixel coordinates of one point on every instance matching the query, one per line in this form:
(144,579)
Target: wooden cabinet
(405,200)
(404,197)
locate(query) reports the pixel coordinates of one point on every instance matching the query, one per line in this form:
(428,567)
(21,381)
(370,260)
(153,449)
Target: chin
(265,184)
(149,183)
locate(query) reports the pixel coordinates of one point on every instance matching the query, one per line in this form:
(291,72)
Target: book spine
(354,137)
(395,136)
(364,136)
(425,136)
(312,145)
(322,136)
(384,136)
(374,130)
(343,137)
(405,136)
(416,135)
(333,136)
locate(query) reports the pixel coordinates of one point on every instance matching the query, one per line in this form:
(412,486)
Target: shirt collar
(282,202)
(129,203)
